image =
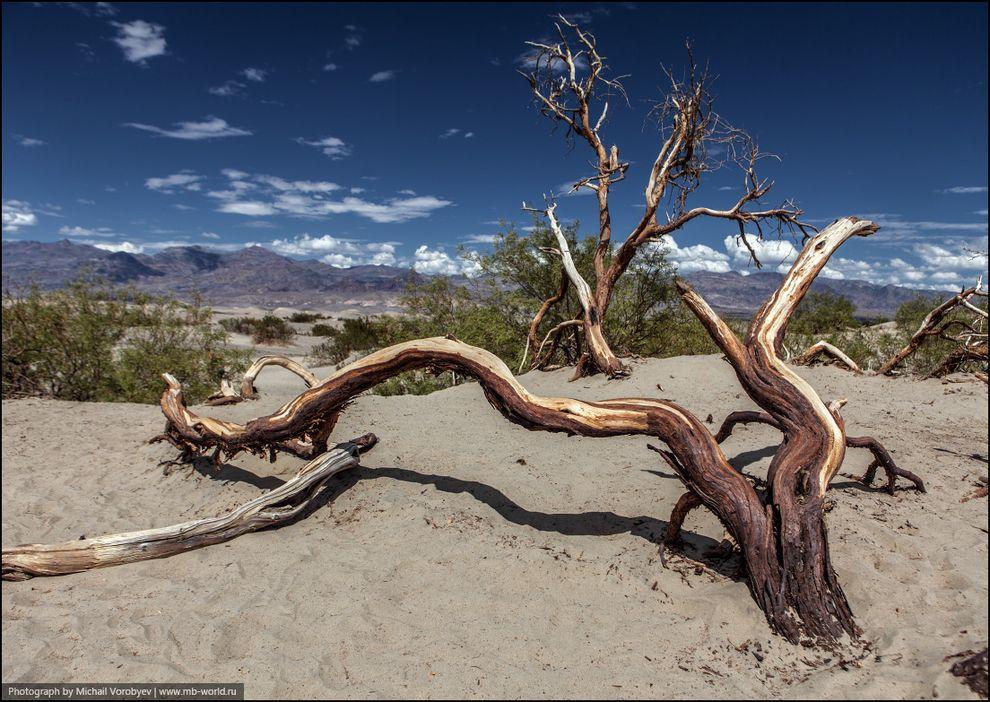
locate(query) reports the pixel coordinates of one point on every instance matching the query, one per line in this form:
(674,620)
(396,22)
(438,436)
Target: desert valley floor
(471,557)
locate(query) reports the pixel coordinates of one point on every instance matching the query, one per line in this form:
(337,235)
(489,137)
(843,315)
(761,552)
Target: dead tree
(571,85)
(779,526)
(940,323)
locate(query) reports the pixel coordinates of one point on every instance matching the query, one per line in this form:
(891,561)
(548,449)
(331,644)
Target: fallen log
(281,506)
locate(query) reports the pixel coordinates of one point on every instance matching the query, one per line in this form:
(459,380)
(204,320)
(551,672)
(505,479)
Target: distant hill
(259,276)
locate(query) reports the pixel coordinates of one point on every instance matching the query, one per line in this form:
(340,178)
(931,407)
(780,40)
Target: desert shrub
(304,317)
(239,325)
(822,313)
(321,330)
(93,342)
(270,329)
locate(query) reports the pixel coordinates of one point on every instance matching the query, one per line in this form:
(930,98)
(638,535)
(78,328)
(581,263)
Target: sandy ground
(472,558)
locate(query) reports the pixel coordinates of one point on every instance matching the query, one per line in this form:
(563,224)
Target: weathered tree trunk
(281,506)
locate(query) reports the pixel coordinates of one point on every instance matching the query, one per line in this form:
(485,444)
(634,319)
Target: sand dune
(470,557)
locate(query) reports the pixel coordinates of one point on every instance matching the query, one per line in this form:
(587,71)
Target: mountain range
(260,277)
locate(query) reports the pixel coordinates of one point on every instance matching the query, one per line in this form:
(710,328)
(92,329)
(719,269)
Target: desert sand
(471,558)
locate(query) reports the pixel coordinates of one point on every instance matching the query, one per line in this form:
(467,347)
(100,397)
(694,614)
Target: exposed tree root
(881,457)
(276,508)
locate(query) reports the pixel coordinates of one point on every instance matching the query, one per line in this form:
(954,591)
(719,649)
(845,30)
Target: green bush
(273,330)
(304,317)
(322,330)
(92,342)
(270,329)
(822,313)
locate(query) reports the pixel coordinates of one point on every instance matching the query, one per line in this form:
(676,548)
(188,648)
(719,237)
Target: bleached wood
(280,506)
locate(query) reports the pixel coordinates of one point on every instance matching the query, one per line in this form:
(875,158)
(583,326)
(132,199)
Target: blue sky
(396,133)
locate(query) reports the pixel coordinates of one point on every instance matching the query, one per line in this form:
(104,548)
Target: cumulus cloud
(210,235)
(337,252)
(382,76)
(140,40)
(184,180)
(330,146)
(437,262)
(774,254)
(121,247)
(690,259)
(209,128)
(17,214)
(330,67)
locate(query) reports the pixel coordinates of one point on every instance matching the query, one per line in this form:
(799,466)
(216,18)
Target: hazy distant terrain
(259,276)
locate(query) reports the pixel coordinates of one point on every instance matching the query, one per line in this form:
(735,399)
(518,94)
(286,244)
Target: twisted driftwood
(779,527)
(227,395)
(823,348)
(278,507)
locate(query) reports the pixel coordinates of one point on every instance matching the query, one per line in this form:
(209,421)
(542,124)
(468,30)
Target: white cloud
(337,252)
(255,75)
(964,190)
(437,262)
(121,247)
(140,40)
(481,238)
(532,61)
(180,206)
(177,181)
(382,76)
(331,146)
(310,199)
(209,128)
(690,259)
(28,141)
(17,214)
(247,208)
(981,213)
(454,131)
(330,67)
(354,37)
(774,254)
(210,235)
(76,232)
(227,89)
(941,258)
